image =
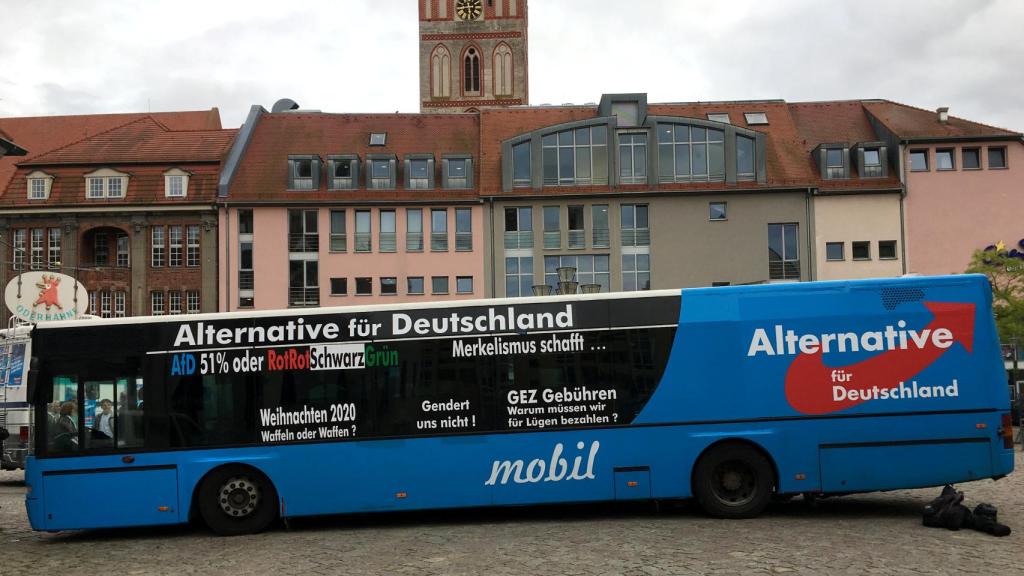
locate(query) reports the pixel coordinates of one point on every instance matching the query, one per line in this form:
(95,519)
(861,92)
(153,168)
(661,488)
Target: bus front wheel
(733,480)
(236,500)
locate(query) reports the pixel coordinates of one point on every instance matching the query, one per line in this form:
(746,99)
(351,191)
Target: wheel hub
(239,497)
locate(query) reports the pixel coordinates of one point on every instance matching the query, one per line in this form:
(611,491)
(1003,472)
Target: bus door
(94,423)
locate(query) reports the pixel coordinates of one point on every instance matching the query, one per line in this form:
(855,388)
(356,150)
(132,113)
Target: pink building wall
(270,258)
(950,214)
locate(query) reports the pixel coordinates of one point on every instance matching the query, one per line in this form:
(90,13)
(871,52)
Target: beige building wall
(870,218)
(686,249)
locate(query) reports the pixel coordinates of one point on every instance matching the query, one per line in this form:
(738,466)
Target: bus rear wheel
(733,480)
(236,500)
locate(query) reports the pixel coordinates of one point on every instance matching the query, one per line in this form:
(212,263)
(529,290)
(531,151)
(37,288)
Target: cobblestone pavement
(863,534)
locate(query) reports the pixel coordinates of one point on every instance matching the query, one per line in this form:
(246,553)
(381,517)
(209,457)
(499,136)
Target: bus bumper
(34,496)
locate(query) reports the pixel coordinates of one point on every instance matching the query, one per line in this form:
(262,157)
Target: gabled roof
(41,134)
(910,123)
(143,141)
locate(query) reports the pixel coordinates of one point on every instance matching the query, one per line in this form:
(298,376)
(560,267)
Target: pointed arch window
(441,73)
(503,70)
(471,72)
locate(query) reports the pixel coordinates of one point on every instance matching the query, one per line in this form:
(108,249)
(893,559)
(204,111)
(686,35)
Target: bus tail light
(1006,431)
(23,434)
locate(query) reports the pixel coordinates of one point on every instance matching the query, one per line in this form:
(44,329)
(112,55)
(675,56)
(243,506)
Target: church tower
(472,54)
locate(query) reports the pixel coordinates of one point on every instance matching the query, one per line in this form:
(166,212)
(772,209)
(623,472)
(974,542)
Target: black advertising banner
(443,370)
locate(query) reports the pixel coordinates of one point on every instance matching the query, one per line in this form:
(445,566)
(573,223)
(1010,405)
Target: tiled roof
(835,122)
(908,123)
(143,141)
(263,171)
(145,186)
(41,134)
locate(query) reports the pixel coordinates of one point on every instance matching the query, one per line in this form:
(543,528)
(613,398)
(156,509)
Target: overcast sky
(60,57)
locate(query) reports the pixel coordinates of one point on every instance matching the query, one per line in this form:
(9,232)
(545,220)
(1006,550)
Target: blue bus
(730,395)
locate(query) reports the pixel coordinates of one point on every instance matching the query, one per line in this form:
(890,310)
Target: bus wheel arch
(235,499)
(734,478)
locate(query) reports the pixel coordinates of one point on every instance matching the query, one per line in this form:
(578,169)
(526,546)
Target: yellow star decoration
(1000,247)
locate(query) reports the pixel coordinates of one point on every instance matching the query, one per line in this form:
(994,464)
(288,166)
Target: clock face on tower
(468,9)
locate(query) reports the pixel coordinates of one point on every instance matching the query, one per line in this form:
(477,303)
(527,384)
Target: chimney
(943,114)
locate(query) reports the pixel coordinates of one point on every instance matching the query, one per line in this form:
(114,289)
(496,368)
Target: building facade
(128,212)
(335,209)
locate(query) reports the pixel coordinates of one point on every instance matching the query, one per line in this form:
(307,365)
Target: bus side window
(128,428)
(63,416)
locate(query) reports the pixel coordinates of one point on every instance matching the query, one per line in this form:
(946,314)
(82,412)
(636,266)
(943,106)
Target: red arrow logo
(809,382)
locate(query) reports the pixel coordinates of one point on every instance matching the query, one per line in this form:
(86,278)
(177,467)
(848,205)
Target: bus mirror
(33,375)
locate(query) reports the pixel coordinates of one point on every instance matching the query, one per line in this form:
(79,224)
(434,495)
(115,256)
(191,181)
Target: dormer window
(105,183)
(419,172)
(176,183)
(832,161)
(39,184)
(343,171)
(304,172)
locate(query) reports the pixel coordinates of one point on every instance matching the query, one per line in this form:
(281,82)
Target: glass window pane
(871,157)
(565,165)
(565,138)
(625,162)
(775,242)
(511,266)
(997,157)
(944,160)
(834,158)
(551,165)
(387,220)
(312,273)
(700,159)
(683,160)
(438,221)
(583,163)
(627,216)
(600,171)
(716,160)
(600,216)
(521,161)
(582,136)
(919,160)
(599,135)
(698,134)
(664,133)
(525,219)
(715,135)
(414,220)
(682,133)
(463,220)
(381,168)
(641,216)
(337,221)
(551,218)
(511,221)
(550,264)
(362,221)
(419,168)
(601,263)
(744,155)
(640,161)
(666,168)
(791,249)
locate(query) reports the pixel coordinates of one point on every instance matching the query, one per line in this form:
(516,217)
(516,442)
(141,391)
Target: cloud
(361,55)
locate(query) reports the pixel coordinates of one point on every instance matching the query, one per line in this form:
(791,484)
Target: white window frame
(192,251)
(192,303)
(174,302)
(179,176)
(102,183)
(40,182)
(156,303)
(119,300)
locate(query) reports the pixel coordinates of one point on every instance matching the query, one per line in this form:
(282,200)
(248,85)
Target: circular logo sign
(41,296)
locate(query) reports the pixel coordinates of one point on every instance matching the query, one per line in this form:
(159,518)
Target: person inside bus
(103,421)
(67,427)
